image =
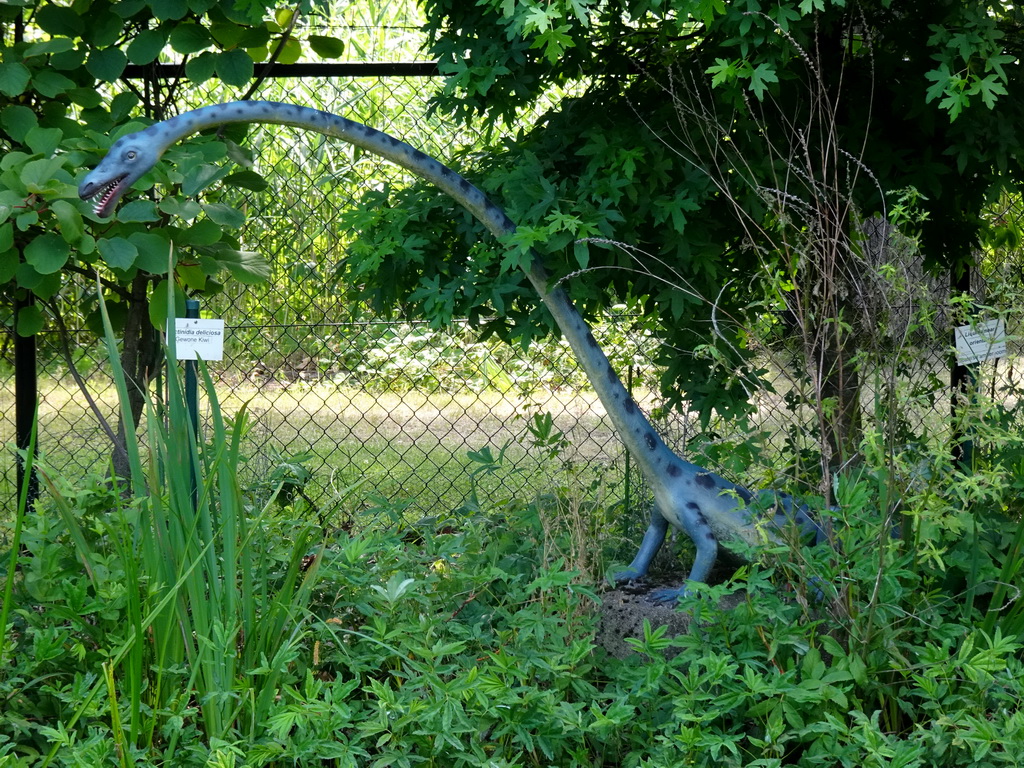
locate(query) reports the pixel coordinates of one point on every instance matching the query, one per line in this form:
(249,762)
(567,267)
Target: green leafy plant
(179,617)
(474,644)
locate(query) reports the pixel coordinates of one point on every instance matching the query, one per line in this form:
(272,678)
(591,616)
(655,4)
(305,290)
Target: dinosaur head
(128,159)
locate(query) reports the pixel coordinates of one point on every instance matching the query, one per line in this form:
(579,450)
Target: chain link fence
(395,408)
(386,415)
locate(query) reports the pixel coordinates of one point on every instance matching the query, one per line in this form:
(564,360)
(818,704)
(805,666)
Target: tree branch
(65,349)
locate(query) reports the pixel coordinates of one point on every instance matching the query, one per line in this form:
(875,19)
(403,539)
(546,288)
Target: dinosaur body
(707,507)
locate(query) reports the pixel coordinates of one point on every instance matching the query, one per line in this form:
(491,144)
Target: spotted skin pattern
(707,507)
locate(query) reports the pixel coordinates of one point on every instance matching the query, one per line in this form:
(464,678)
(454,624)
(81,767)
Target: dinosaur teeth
(103,196)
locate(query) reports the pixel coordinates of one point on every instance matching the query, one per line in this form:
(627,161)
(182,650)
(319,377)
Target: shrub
(163,628)
(463,646)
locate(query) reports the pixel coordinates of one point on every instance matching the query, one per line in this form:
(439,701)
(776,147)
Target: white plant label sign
(196,339)
(980,342)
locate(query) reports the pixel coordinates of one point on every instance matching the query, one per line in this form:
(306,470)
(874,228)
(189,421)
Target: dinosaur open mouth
(107,195)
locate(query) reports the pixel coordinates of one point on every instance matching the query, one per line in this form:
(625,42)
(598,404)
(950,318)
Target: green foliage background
(926,97)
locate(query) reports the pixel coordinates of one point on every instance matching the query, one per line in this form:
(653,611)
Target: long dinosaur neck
(635,431)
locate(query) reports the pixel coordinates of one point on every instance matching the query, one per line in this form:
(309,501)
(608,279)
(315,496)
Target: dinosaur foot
(667,595)
(634,583)
(630,574)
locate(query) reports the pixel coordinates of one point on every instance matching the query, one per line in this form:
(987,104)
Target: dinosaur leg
(703,537)
(707,553)
(653,539)
(704,540)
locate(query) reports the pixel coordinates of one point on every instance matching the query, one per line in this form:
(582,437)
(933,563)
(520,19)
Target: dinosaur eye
(130,154)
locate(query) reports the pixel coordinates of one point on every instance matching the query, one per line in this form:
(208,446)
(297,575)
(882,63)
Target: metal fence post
(192,398)
(628,481)
(962,381)
(26,393)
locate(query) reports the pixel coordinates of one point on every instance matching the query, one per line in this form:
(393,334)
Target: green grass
(68,432)
(407,446)
(411,446)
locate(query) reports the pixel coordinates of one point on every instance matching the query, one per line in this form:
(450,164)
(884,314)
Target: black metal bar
(26,394)
(351,69)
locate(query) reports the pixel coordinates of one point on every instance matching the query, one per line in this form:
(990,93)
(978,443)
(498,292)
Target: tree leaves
(50,83)
(158,301)
(43,141)
(326,47)
(760,77)
(30,320)
(234,67)
(18,121)
(106,64)
(183,209)
(39,176)
(169,9)
(50,86)
(245,266)
(49,47)
(201,68)
(69,221)
(247,180)
(153,252)
(117,252)
(47,253)
(224,215)
(204,232)
(14,78)
(189,38)
(970,62)
(956,91)
(138,211)
(145,48)
(758,58)
(59,20)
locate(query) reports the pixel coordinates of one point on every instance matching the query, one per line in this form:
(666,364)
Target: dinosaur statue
(707,507)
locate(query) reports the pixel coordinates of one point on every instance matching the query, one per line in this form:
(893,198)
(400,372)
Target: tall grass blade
(211,599)
(19,518)
(121,384)
(115,716)
(1009,590)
